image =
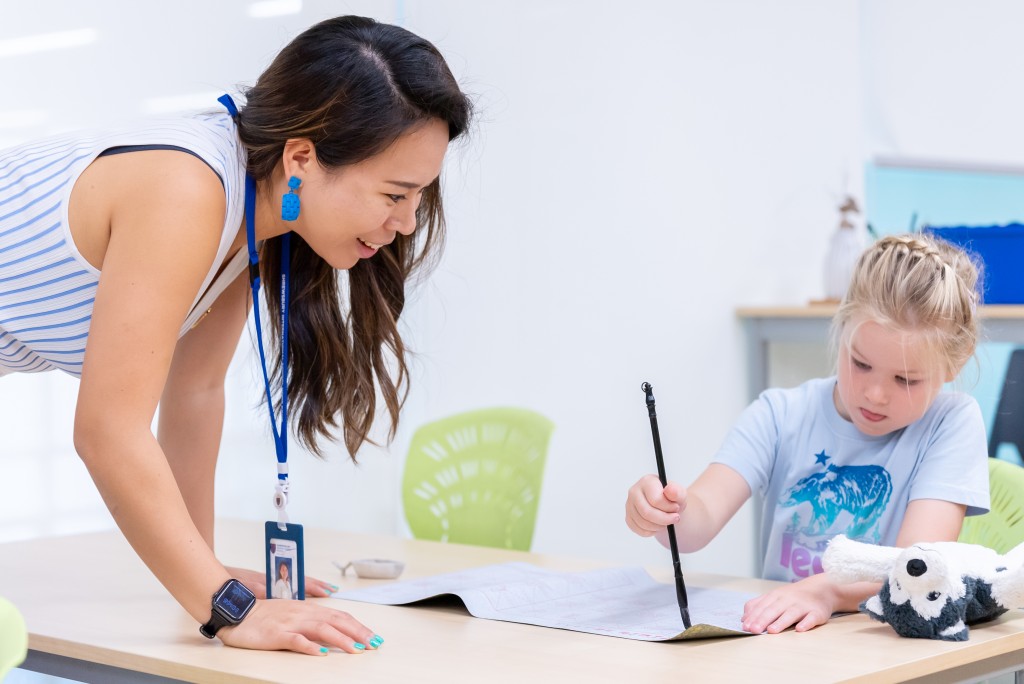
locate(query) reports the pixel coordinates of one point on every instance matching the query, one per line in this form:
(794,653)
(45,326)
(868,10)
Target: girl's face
(282,571)
(887,379)
(349,214)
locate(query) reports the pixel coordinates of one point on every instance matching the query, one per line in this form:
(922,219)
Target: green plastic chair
(475,477)
(1002,528)
(13,638)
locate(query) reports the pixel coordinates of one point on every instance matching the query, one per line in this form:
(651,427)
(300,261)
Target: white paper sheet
(619,602)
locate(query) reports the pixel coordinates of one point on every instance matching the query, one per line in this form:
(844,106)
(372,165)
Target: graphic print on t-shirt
(839,500)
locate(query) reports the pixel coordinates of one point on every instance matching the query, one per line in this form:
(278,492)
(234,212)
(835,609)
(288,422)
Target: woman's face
(350,213)
(282,571)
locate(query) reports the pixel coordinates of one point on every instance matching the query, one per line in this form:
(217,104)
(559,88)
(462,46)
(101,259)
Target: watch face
(235,600)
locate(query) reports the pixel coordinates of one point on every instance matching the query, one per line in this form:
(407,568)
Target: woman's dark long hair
(352,86)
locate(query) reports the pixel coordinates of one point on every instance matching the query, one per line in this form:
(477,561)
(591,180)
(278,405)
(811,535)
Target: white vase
(845,247)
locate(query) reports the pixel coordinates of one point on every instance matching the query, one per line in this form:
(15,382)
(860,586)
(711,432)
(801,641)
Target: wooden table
(767,325)
(95,614)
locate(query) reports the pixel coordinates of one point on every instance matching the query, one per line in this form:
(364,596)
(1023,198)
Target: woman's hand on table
(310,628)
(257,583)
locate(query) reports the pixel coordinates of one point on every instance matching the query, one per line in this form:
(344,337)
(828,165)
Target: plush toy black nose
(916,567)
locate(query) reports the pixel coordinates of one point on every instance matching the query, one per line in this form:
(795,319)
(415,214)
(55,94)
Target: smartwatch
(231,604)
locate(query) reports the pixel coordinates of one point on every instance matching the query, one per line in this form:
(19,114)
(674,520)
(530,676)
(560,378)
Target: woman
(283,585)
(122,258)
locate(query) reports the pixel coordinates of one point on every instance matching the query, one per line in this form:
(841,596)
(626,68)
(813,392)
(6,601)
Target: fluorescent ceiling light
(181,103)
(47,41)
(273,8)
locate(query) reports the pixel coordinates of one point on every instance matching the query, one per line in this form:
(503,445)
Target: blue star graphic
(822,458)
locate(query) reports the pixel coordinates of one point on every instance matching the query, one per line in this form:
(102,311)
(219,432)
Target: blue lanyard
(280,433)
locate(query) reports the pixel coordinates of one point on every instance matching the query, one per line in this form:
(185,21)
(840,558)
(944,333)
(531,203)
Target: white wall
(637,171)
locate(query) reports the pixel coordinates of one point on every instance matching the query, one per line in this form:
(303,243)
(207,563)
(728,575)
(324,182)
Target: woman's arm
(164,215)
(191,418)
(165,210)
(191,415)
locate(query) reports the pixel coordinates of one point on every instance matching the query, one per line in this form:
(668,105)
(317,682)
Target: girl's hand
(806,604)
(257,584)
(299,626)
(650,508)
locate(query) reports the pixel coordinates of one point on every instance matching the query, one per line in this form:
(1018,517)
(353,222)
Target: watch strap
(210,629)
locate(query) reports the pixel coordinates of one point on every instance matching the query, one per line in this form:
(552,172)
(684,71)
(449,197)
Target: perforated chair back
(1002,528)
(475,477)
(13,638)
(1008,424)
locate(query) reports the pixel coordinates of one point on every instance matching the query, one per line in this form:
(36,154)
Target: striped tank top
(47,288)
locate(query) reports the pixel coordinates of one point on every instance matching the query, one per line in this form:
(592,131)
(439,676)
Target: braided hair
(916,283)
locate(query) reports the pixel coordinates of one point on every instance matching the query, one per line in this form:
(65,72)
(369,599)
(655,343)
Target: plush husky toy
(931,590)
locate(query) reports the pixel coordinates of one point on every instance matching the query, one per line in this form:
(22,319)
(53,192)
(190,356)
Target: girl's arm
(931,520)
(164,211)
(810,602)
(698,513)
(711,501)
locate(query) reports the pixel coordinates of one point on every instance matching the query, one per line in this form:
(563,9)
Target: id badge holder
(286,570)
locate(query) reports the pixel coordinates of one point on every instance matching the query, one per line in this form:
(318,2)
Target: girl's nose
(876,394)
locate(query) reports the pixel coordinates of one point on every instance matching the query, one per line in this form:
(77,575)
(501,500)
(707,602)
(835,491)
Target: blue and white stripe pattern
(47,288)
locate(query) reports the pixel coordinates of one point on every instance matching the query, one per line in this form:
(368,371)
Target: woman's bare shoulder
(138,191)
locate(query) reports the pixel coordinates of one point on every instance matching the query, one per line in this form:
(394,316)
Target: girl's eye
(903,381)
(861,365)
(396,198)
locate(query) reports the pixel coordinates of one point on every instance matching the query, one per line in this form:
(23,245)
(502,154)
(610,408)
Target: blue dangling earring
(290,201)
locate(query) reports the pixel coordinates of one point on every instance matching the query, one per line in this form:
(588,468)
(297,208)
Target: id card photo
(283,559)
(284,562)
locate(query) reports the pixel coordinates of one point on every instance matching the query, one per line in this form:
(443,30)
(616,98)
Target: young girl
(123,259)
(876,452)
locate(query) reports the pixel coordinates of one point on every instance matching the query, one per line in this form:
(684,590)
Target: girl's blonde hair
(916,283)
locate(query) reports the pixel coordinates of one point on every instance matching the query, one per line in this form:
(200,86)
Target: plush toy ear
(850,561)
(873,607)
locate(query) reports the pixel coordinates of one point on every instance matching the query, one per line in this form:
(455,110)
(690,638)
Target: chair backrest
(1002,528)
(13,638)
(1008,424)
(475,477)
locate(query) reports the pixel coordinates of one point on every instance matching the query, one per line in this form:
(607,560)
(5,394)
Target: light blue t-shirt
(820,476)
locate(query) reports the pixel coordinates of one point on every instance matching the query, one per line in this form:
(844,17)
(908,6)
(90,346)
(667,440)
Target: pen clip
(648,389)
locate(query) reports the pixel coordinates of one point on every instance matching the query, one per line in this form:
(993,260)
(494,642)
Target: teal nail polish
(323,649)
(376,641)
(359,646)
(333,587)
(379,638)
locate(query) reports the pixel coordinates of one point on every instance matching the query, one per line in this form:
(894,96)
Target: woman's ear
(298,157)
